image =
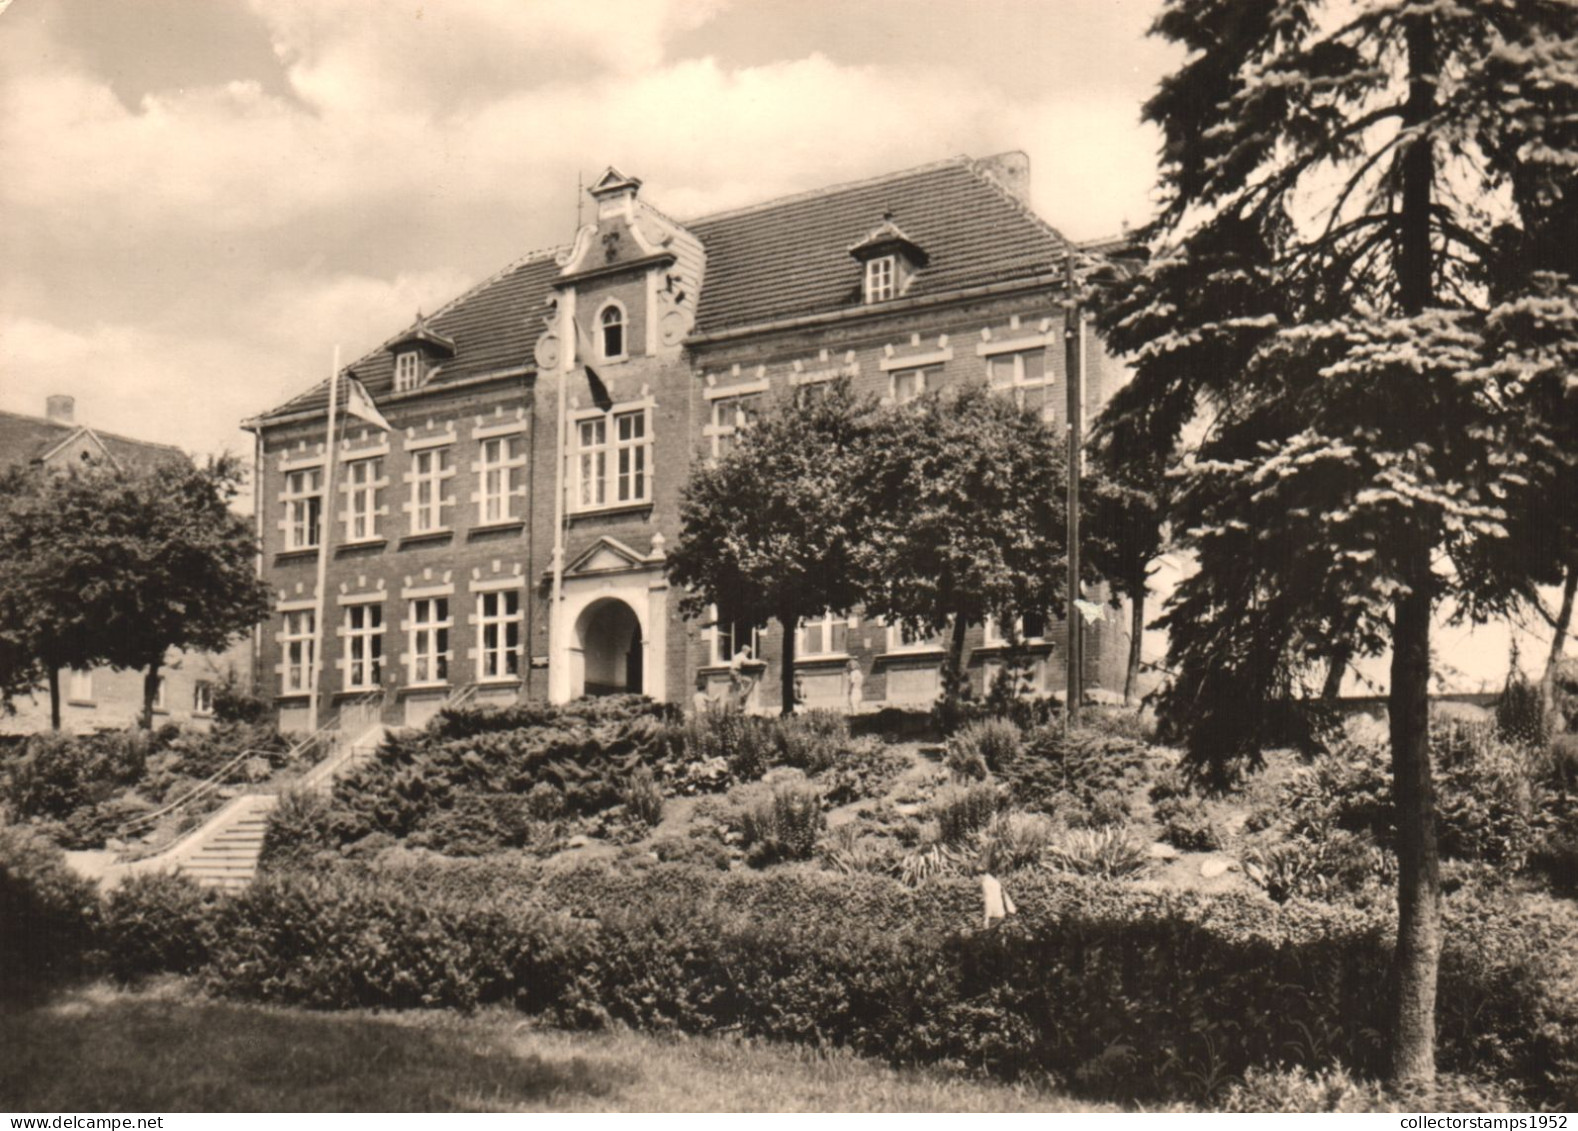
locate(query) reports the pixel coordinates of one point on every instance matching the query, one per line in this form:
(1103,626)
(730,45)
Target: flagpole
(325,535)
(558,650)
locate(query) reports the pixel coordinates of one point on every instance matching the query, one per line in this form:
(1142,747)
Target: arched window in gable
(611,324)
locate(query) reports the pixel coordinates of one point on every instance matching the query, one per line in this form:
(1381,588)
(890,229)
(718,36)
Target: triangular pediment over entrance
(608,555)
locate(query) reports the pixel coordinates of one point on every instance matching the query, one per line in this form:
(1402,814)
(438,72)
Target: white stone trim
(1014,345)
(744,389)
(916,361)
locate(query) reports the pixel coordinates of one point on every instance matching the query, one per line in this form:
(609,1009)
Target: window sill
(427,536)
(1041,647)
(617,508)
(293,696)
(899,655)
(301,553)
(354,692)
(822,658)
(90,703)
(423,688)
(202,714)
(506,526)
(499,681)
(361,544)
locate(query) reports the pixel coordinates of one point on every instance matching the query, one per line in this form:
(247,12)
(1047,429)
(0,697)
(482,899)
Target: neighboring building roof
(782,259)
(29,439)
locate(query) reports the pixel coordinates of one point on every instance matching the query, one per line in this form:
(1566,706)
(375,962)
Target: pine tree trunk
(54,697)
(1417,960)
(1136,638)
(1418,957)
(786,678)
(1560,627)
(150,692)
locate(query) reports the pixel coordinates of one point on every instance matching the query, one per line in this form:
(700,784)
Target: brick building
(465,555)
(103,697)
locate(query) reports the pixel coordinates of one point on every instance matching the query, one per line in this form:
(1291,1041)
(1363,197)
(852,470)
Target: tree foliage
(769,529)
(1365,248)
(100,565)
(967,518)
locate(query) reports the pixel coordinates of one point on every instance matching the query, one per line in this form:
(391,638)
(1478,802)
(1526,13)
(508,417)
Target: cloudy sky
(201,198)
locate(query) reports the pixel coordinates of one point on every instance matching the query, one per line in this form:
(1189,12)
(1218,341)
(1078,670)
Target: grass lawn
(167,1050)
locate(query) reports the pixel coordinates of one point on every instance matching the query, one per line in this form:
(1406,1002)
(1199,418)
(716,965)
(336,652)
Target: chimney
(61,409)
(1011,170)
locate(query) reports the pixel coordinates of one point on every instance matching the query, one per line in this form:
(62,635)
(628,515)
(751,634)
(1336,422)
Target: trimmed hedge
(47,914)
(1115,990)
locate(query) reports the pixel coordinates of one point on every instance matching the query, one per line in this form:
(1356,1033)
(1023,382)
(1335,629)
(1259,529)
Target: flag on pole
(359,403)
(583,348)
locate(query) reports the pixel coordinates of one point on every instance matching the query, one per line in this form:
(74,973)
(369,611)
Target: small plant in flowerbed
(784,825)
(1086,777)
(1187,824)
(1109,852)
(984,747)
(864,768)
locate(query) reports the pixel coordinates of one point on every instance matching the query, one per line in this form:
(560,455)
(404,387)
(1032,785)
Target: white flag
(358,403)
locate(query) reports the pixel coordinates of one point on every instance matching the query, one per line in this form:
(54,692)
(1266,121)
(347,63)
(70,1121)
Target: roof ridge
(961,160)
(982,173)
(509,268)
(74,427)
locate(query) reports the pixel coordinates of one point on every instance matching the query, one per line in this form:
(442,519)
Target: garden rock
(1161,850)
(1216,866)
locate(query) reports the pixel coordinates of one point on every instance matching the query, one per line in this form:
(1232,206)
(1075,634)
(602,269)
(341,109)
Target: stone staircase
(223,851)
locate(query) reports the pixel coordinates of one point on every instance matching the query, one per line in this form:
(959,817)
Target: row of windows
(1022,374)
(429,630)
(79,690)
(501,477)
(828,635)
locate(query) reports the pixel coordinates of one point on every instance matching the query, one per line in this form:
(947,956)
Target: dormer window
(612,327)
(890,260)
(879,279)
(408,367)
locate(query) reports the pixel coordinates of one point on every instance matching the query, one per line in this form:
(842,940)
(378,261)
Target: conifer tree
(1366,218)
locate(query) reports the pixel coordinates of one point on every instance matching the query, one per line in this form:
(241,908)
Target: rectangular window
(613,466)
(1024,375)
(202,697)
(907,384)
(1032,630)
(501,467)
(902,638)
(730,417)
(361,500)
(296,648)
(828,635)
(499,629)
(430,625)
(728,637)
(429,468)
(80,687)
(879,279)
(364,646)
(303,508)
(407,370)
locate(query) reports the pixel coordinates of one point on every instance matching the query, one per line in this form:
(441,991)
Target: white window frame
(429,468)
(368,640)
(79,687)
(730,417)
(498,458)
(296,647)
(613,306)
(495,626)
(722,646)
(895,376)
(303,498)
(363,478)
(995,639)
(609,468)
(203,698)
(897,643)
(161,695)
(431,626)
(1018,383)
(882,278)
(826,622)
(408,370)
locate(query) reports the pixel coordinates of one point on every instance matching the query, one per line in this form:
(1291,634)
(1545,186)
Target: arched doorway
(609,635)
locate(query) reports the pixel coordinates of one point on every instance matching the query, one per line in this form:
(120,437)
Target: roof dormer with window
(889,261)
(418,354)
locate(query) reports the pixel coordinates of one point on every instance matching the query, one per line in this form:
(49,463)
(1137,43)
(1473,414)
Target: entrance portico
(612,625)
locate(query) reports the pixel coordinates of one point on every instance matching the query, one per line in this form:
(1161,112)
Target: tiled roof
(24,439)
(782,259)
(790,258)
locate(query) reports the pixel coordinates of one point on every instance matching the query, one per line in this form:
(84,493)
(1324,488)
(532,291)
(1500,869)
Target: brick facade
(702,314)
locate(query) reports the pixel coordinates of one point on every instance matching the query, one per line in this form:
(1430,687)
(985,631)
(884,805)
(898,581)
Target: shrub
(1336,1090)
(300,830)
(1520,715)
(811,741)
(1172,782)
(865,769)
(1011,841)
(961,812)
(930,862)
(48,914)
(784,826)
(235,703)
(726,734)
(1107,852)
(1187,825)
(157,923)
(1486,806)
(847,851)
(1062,772)
(1336,865)
(989,744)
(643,799)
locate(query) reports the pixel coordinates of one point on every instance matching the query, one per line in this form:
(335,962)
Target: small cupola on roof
(417,354)
(889,259)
